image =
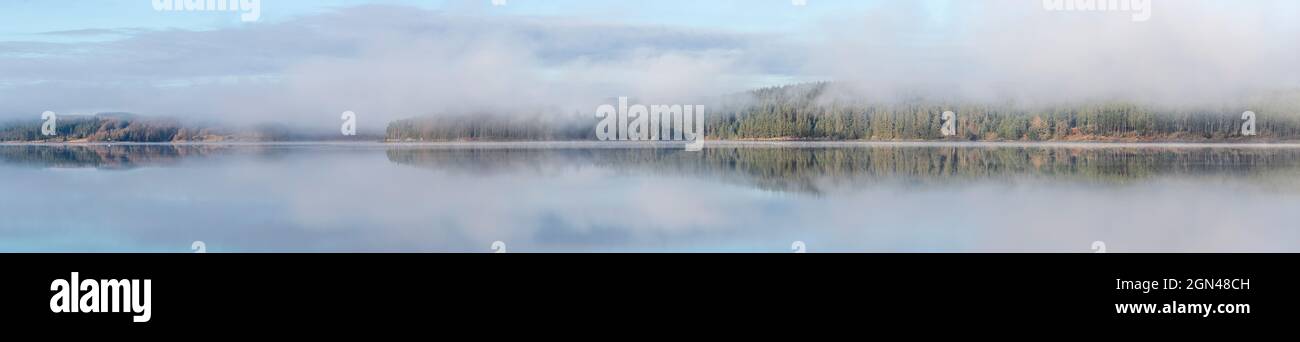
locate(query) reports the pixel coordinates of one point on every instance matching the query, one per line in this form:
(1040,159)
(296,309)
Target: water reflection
(114,156)
(816,170)
(839,197)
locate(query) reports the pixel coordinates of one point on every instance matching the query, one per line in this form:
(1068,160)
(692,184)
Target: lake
(612,197)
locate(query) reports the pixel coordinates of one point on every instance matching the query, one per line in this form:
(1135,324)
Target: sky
(307,61)
(31,17)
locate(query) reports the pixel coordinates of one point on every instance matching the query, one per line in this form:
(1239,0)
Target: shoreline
(708,143)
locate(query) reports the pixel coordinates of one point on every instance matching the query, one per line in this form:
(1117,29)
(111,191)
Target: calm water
(602,197)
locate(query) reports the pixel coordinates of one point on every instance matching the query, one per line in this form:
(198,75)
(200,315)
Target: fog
(1196,52)
(391,62)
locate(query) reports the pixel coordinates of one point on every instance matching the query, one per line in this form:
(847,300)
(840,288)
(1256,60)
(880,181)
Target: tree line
(125,127)
(793,112)
(802,112)
(99,127)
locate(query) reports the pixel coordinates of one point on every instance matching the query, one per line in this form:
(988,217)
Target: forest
(801,112)
(126,127)
(99,127)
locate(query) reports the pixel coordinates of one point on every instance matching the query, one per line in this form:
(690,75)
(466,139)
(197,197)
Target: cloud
(382,62)
(86,32)
(389,62)
(1014,49)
